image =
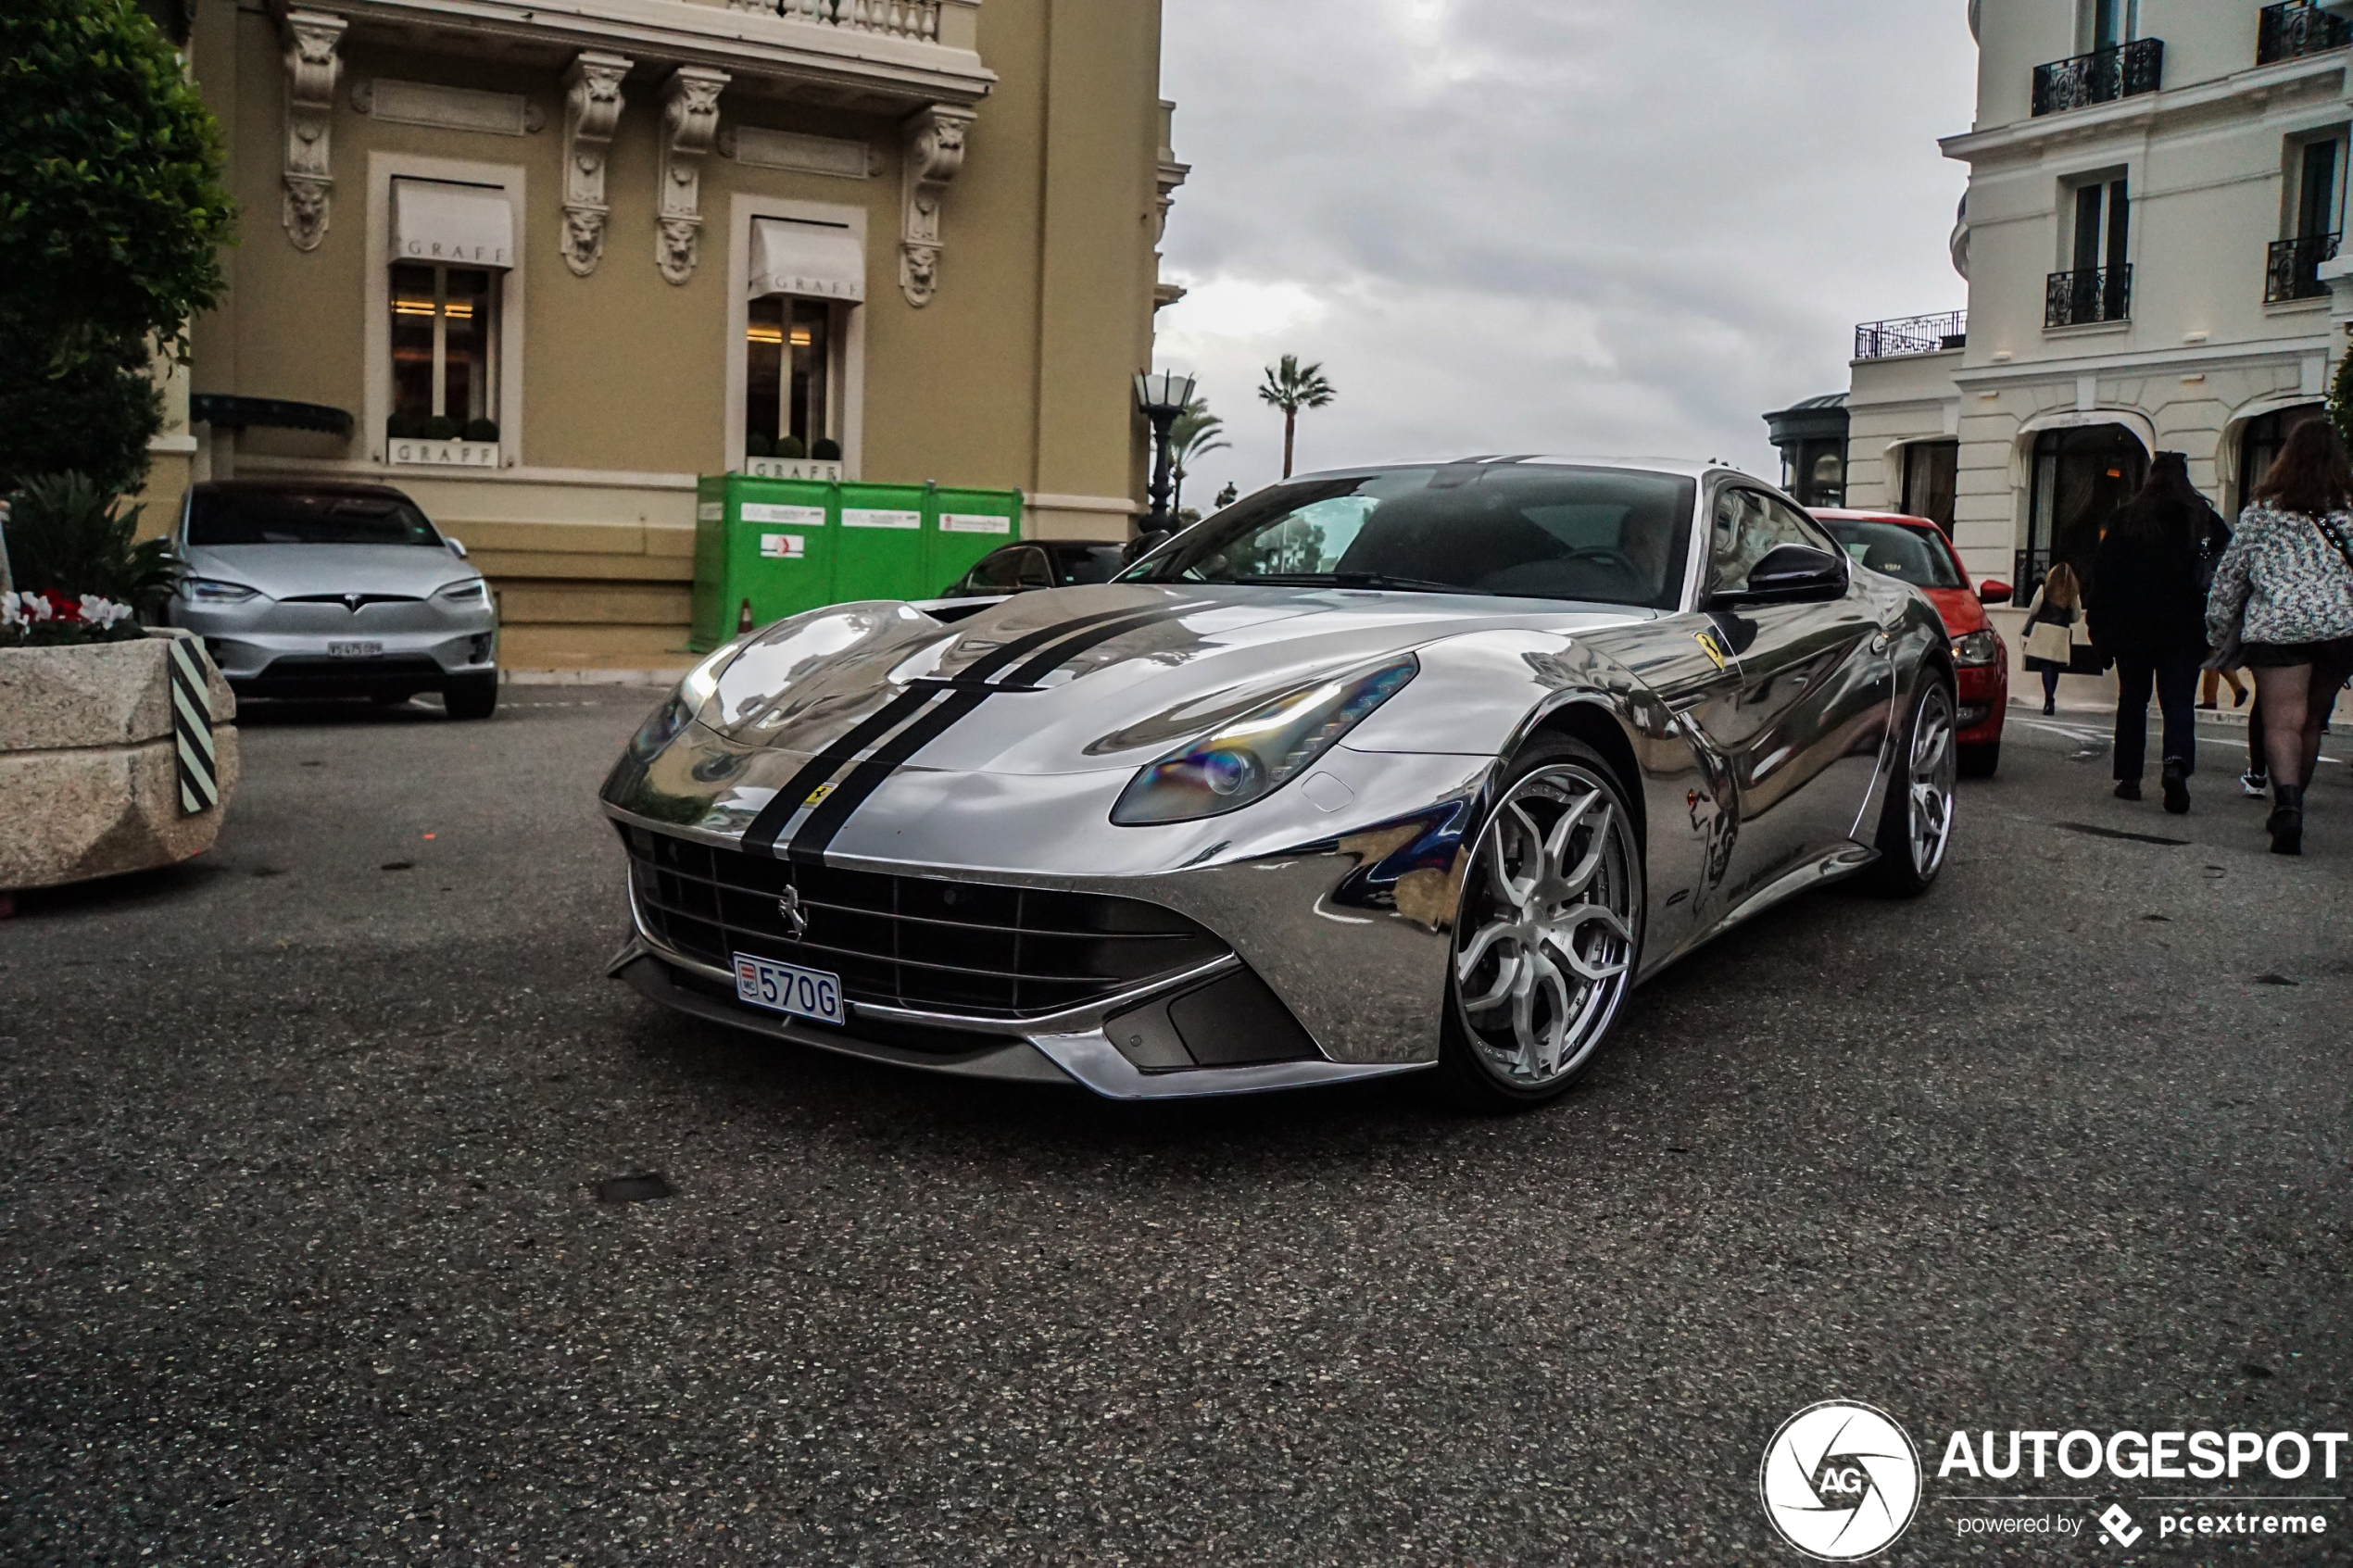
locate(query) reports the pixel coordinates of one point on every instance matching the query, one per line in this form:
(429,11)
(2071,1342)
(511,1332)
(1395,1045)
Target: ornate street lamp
(1162,396)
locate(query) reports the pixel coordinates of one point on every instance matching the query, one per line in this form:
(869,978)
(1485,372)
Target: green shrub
(68,537)
(482,429)
(789,446)
(760,443)
(403,427)
(441,427)
(827,450)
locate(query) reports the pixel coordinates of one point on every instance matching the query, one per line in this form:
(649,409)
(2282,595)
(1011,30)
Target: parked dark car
(1039,563)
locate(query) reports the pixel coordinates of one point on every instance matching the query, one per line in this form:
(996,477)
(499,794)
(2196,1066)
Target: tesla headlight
(662,725)
(471,592)
(1251,757)
(211,591)
(1977,650)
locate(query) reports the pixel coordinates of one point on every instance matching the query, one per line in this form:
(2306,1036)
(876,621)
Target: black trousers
(2175,677)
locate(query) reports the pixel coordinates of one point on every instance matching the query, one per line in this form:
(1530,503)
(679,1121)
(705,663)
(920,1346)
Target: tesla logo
(353,601)
(795,918)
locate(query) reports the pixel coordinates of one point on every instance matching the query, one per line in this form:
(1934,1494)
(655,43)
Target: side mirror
(1791,573)
(455,548)
(1994,590)
(1143,544)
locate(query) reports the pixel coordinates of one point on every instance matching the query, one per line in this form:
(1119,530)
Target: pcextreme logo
(1840,1481)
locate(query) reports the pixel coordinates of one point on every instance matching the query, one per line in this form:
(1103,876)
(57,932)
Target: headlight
(1257,754)
(209,591)
(1977,650)
(471,593)
(662,725)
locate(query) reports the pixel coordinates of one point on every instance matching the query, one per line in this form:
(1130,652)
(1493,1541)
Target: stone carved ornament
(935,153)
(592,108)
(689,125)
(312,66)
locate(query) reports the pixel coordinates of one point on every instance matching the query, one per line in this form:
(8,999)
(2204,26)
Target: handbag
(2049,642)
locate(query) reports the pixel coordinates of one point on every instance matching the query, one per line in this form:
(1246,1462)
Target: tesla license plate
(354,650)
(804,992)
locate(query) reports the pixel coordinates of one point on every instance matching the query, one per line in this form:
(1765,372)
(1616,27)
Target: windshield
(1909,555)
(1599,536)
(295,517)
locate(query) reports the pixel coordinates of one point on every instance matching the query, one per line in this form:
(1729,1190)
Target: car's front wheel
(472,696)
(1916,824)
(1548,933)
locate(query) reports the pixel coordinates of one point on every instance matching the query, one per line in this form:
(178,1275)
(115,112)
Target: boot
(2128,789)
(2286,826)
(2177,789)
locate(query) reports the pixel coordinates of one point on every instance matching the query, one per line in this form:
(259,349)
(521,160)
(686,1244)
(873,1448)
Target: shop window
(1931,469)
(2081,477)
(444,351)
(788,364)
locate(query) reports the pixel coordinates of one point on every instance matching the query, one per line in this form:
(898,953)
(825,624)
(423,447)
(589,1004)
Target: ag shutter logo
(1840,1481)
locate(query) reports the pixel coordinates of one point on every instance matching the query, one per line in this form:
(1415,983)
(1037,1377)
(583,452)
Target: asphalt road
(303,1257)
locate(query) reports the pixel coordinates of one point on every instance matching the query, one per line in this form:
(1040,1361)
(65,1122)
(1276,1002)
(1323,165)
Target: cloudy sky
(1550,225)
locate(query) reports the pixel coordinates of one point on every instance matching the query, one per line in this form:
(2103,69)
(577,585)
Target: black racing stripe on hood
(766,828)
(1020,647)
(1062,653)
(809,844)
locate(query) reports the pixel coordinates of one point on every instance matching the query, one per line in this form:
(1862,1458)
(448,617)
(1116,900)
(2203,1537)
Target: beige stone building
(540,263)
(2156,203)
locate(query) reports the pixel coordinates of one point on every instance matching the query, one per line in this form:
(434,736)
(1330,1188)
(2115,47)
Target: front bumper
(266,648)
(1984,693)
(1345,916)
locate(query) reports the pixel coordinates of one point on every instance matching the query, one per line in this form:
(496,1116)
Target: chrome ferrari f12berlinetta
(1395,769)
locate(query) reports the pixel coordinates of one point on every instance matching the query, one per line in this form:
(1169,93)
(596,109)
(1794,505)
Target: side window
(1748,526)
(1010,571)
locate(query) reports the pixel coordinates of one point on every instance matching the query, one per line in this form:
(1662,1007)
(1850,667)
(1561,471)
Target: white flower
(103,613)
(9,614)
(31,607)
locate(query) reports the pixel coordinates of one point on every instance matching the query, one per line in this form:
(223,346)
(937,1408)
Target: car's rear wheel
(1916,823)
(1548,933)
(1982,760)
(472,696)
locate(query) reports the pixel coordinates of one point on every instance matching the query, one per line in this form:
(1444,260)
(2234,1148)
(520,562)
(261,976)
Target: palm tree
(1195,435)
(1291,386)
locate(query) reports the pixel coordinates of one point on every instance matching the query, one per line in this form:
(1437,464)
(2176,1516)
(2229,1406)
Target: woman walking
(2285,592)
(2146,610)
(2058,604)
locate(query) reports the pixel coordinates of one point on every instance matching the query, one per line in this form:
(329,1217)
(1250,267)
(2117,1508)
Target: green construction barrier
(772,548)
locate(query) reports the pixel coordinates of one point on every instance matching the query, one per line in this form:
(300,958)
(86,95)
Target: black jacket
(2145,598)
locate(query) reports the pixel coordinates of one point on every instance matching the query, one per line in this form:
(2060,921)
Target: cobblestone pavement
(304,1261)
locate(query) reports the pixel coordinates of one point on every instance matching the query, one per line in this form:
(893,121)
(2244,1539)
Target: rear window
(1087,563)
(295,517)
(1909,555)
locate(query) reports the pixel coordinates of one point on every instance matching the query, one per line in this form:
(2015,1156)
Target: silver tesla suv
(310,590)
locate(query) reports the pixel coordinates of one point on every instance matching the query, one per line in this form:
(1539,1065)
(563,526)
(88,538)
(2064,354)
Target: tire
(472,696)
(1916,823)
(1491,1059)
(1982,760)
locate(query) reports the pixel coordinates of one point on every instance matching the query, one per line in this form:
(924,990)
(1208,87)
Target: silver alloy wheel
(1935,765)
(1545,944)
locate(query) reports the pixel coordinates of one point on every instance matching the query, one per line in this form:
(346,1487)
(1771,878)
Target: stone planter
(89,768)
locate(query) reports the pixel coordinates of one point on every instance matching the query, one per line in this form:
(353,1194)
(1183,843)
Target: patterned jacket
(2295,584)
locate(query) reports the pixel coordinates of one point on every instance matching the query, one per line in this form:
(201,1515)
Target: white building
(2156,188)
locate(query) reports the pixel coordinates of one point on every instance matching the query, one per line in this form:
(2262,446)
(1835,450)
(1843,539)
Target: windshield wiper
(1354,580)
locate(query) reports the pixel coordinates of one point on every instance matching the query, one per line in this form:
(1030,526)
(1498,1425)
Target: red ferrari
(1914,550)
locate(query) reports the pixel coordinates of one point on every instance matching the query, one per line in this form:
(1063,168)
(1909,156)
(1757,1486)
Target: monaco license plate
(355,650)
(780,987)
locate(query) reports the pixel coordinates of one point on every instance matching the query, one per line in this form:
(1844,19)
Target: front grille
(925,943)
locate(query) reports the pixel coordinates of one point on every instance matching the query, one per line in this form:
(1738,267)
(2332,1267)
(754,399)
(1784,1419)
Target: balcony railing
(2100,77)
(1914,334)
(918,19)
(2085,297)
(2295,30)
(2294,272)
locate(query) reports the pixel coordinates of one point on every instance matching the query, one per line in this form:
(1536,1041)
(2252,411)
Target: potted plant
(117,747)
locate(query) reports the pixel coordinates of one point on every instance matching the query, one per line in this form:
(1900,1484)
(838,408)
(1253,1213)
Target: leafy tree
(1291,386)
(1195,435)
(111,210)
(2340,405)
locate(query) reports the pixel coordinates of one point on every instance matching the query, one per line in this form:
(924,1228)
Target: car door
(1804,724)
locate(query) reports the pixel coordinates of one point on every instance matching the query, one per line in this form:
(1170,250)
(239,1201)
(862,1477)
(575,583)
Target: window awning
(453,225)
(814,261)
